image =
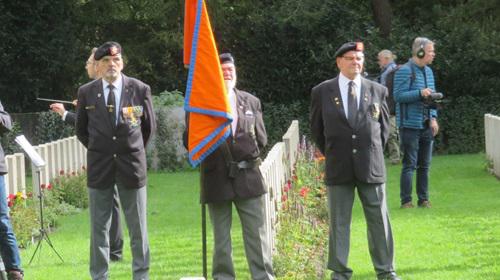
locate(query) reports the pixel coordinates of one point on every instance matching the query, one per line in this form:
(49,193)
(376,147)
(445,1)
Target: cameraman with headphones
(417,121)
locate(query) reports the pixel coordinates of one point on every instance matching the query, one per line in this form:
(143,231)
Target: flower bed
(65,195)
(303,220)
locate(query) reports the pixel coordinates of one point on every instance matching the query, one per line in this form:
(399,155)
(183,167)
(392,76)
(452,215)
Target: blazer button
(354,151)
(114,155)
(354,136)
(114,137)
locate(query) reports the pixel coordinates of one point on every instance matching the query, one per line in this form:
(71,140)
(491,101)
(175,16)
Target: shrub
(7,140)
(50,128)
(24,217)
(278,116)
(71,188)
(166,151)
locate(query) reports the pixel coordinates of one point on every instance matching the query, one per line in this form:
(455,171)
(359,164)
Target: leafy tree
(40,52)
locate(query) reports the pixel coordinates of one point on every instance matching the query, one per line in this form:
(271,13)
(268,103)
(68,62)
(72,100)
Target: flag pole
(203,224)
(204,237)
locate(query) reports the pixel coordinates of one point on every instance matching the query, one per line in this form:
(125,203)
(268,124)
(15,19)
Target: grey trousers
(380,242)
(115,231)
(133,202)
(257,250)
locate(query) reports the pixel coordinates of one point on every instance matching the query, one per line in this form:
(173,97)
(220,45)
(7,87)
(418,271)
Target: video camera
(433,100)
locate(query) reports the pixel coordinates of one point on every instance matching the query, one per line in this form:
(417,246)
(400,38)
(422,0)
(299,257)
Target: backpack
(389,83)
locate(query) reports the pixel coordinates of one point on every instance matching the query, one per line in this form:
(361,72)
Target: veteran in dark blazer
(231,176)
(350,126)
(115,120)
(69,118)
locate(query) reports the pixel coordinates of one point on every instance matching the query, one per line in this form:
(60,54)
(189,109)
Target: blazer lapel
(365,100)
(101,102)
(336,99)
(126,98)
(240,107)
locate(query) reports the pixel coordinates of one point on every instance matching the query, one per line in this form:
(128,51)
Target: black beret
(349,46)
(108,48)
(226,58)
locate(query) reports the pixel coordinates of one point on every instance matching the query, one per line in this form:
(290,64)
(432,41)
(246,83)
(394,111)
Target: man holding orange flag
(225,132)
(231,175)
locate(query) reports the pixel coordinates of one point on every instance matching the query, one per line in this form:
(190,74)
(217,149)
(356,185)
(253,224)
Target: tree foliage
(282,48)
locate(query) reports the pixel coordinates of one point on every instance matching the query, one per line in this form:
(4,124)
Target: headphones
(421,52)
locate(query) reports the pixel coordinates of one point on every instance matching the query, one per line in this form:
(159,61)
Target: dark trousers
(417,154)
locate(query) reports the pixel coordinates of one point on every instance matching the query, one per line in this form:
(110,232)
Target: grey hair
(418,43)
(387,54)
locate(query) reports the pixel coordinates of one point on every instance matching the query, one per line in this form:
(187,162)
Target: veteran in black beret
(115,121)
(231,176)
(350,126)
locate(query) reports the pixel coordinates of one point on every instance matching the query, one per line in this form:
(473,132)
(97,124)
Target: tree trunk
(382,13)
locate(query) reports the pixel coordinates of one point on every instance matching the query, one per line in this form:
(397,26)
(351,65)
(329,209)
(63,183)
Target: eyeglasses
(351,58)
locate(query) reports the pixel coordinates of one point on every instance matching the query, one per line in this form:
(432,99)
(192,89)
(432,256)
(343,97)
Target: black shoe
(15,275)
(394,277)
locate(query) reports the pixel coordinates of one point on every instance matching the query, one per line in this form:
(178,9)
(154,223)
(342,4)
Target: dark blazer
(352,153)
(245,145)
(5,126)
(115,155)
(70,118)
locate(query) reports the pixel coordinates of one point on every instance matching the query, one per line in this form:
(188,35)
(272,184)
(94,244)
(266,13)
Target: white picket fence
(69,155)
(492,140)
(65,155)
(15,180)
(276,170)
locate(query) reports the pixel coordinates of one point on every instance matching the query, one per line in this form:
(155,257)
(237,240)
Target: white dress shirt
(117,84)
(234,110)
(344,89)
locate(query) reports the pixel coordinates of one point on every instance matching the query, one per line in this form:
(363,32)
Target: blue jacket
(408,81)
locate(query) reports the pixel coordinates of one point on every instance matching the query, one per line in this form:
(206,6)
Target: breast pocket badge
(132,115)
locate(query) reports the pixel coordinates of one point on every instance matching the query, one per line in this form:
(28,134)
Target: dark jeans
(416,145)
(8,242)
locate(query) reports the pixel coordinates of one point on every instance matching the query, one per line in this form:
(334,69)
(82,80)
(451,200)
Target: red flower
(49,186)
(61,172)
(42,186)
(304,191)
(284,198)
(287,187)
(10,199)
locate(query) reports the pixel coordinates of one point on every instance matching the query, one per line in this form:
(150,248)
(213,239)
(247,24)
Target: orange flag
(206,99)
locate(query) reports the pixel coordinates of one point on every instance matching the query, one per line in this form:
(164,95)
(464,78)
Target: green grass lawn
(459,238)
(174,221)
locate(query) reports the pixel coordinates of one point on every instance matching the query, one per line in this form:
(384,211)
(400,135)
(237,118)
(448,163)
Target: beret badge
(113,50)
